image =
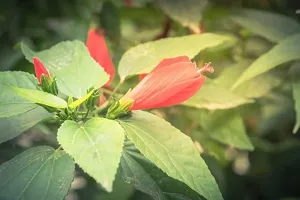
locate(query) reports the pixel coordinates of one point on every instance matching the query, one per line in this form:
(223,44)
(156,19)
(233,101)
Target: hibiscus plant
(109,117)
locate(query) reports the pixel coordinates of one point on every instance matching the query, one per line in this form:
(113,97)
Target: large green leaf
(188,12)
(171,151)
(11,103)
(41,97)
(146,177)
(213,96)
(13,126)
(272,26)
(38,173)
(96,147)
(254,88)
(76,71)
(144,57)
(226,127)
(285,51)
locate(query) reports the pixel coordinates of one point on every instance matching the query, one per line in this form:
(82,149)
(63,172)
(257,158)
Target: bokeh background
(271,171)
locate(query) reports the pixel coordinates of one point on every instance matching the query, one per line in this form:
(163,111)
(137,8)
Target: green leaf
(254,88)
(38,173)
(75,70)
(172,151)
(296,95)
(110,21)
(17,124)
(96,147)
(212,97)
(226,127)
(146,177)
(188,12)
(273,26)
(144,57)
(41,97)
(10,103)
(285,51)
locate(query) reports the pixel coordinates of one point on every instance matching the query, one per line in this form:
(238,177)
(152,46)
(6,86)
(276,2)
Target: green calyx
(49,85)
(119,109)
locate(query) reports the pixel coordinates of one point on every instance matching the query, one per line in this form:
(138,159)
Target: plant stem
(116,88)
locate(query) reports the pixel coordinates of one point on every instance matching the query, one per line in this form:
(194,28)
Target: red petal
(162,84)
(169,61)
(99,51)
(39,69)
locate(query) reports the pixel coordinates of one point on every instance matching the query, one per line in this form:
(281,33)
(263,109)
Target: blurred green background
(271,171)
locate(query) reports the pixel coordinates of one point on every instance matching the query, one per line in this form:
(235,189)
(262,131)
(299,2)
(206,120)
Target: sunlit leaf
(11,103)
(172,151)
(254,88)
(95,145)
(212,97)
(38,173)
(40,97)
(272,26)
(285,51)
(75,70)
(144,57)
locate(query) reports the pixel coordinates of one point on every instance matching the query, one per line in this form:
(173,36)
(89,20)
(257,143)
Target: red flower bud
(39,69)
(173,81)
(99,51)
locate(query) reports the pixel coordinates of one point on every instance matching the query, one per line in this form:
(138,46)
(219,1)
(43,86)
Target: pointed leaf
(212,97)
(188,12)
(75,70)
(17,124)
(226,127)
(10,103)
(172,151)
(272,26)
(146,177)
(296,95)
(285,51)
(254,88)
(144,57)
(38,173)
(96,147)
(41,97)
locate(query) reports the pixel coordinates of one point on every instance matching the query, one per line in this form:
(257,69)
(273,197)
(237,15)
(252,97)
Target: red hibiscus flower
(99,51)
(39,69)
(172,81)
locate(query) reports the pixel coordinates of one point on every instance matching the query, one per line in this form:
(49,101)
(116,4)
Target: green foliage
(96,146)
(213,97)
(146,177)
(274,27)
(188,13)
(171,151)
(70,62)
(41,97)
(15,125)
(226,127)
(285,51)
(144,57)
(11,103)
(38,173)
